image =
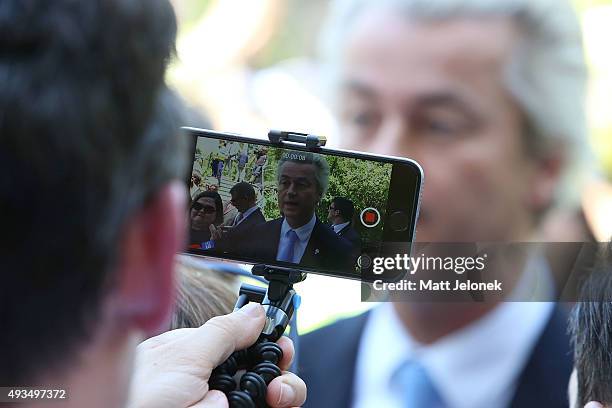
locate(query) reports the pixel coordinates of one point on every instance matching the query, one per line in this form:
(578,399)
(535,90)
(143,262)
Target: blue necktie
(288,251)
(416,387)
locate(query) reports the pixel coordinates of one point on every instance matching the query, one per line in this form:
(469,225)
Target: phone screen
(320,211)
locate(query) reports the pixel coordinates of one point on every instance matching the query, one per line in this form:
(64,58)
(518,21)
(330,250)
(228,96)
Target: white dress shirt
(338,227)
(475,367)
(303,234)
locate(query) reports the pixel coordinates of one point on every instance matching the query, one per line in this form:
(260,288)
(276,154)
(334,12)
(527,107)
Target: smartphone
(311,208)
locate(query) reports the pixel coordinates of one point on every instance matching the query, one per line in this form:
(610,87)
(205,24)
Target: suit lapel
(544,380)
(274,239)
(337,345)
(343,230)
(313,250)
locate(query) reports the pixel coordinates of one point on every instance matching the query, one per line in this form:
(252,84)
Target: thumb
(222,335)
(212,399)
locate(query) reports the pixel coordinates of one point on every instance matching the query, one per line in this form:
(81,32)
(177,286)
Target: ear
(547,173)
(150,241)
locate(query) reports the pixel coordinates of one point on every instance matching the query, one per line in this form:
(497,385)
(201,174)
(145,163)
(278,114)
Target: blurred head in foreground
(486,95)
(92,195)
(591,328)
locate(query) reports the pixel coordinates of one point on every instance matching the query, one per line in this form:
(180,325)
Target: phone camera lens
(364,261)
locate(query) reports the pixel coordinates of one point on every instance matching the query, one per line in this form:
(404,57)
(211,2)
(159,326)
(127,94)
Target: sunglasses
(206,209)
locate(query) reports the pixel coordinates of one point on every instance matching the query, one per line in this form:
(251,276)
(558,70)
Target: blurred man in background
(488,97)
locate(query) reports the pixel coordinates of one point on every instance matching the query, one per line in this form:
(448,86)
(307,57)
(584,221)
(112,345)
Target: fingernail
(287,395)
(252,309)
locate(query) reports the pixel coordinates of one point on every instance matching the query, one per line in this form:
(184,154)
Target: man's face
(433,91)
(297,192)
(241,203)
(331,212)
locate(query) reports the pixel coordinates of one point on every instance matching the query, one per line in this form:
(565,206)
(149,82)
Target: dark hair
(88,131)
(243,190)
(345,207)
(591,331)
(218,204)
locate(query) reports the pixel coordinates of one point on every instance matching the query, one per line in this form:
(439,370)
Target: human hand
(215,233)
(172,369)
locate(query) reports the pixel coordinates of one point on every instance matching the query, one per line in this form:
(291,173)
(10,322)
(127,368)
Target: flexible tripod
(280,301)
(261,359)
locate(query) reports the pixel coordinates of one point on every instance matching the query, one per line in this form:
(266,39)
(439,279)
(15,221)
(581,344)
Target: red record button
(370,217)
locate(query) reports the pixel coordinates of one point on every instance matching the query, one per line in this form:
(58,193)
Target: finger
(212,343)
(286,344)
(288,390)
(165,338)
(212,399)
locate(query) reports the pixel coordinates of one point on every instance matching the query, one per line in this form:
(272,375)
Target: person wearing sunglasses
(206,211)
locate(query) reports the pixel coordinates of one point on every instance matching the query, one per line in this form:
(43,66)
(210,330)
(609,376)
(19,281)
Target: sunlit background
(248,66)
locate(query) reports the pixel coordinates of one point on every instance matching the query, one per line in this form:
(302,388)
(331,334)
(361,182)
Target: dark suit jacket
(255,218)
(237,233)
(349,233)
(328,355)
(324,250)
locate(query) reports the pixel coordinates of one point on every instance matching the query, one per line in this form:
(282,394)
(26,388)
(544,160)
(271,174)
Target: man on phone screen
(298,236)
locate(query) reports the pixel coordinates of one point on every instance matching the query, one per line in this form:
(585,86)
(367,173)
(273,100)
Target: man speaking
(298,236)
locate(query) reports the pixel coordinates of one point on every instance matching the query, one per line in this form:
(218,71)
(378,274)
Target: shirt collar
(249,211)
(375,366)
(302,232)
(338,227)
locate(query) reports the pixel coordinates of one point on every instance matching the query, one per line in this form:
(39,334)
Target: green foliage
(365,183)
(271,210)
(191,11)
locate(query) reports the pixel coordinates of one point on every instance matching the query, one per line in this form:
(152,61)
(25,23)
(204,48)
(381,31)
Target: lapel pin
(316,251)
